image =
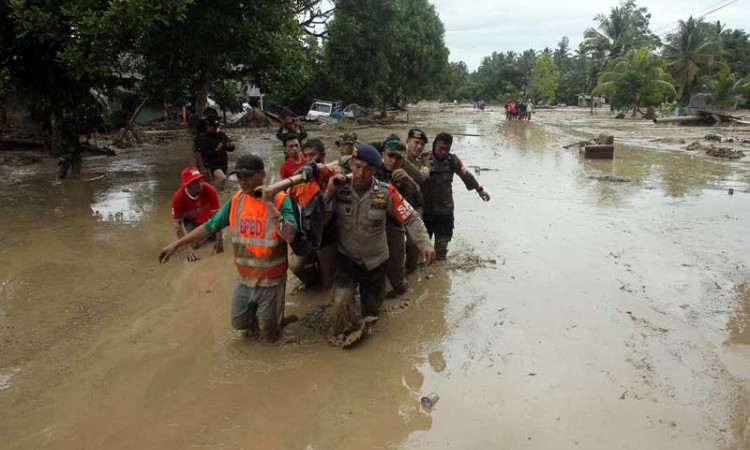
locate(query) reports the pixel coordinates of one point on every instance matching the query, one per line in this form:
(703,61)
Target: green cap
(347,138)
(395,147)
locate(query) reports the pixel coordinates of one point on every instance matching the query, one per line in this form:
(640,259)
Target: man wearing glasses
(260,230)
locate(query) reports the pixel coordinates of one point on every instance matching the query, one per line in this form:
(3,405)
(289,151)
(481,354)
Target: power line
(697,12)
(699,17)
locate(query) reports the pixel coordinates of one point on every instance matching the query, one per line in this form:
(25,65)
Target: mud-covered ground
(575,311)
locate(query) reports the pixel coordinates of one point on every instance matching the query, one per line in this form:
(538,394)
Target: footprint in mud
(437,361)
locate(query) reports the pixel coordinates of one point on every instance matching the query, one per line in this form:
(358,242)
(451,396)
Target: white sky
(476,28)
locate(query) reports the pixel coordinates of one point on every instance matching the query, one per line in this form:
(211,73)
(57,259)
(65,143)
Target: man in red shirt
(192,205)
(295,159)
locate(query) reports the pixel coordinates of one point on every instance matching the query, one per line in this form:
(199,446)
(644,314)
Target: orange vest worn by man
(260,230)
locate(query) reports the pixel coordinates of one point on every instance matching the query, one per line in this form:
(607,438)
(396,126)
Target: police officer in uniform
(438,192)
(361,208)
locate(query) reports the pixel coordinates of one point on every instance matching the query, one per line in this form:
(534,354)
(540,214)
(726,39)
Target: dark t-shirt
(206,144)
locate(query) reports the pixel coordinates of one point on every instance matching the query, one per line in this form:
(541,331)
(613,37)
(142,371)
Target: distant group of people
(519,109)
(368,216)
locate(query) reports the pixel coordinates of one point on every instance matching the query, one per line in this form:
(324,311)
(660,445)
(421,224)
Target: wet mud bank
(574,311)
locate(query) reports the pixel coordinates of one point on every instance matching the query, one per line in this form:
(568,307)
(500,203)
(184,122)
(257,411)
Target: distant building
(584,101)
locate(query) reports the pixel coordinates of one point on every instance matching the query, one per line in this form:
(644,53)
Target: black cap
(248,164)
(417,133)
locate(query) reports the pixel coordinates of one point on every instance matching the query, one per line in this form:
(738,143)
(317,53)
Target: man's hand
(484,195)
(308,171)
(428,255)
(336,183)
(190,254)
(220,146)
(166,252)
(219,245)
(267,196)
(401,176)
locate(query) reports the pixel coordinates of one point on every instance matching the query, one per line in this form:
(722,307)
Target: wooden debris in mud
(724,152)
(466,262)
(612,178)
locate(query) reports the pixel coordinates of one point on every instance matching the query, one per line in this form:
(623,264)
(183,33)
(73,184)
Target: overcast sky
(476,28)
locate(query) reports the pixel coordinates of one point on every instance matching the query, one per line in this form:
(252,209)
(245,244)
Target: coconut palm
(692,52)
(725,91)
(624,28)
(635,79)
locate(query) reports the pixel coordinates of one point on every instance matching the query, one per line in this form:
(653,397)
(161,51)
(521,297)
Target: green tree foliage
(378,51)
(55,52)
(635,79)
(503,75)
(458,82)
(725,91)
(625,27)
(692,52)
(736,45)
(258,42)
(545,77)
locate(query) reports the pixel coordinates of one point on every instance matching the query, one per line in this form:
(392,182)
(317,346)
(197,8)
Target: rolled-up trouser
(396,236)
(347,276)
(258,309)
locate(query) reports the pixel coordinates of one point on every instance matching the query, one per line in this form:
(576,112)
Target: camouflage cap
(395,147)
(347,138)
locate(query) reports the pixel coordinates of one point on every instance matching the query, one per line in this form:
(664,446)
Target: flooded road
(571,313)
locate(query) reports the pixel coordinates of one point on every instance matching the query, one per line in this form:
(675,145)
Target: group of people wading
(518,109)
(368,216)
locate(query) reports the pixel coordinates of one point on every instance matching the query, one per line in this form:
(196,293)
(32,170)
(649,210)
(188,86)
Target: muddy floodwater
(574,311)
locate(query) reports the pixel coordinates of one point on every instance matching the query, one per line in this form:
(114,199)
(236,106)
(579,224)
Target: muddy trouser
(396,234)
(69,155)
(442,227)
(304,267)
(258,309)
(412,254)
(347,275)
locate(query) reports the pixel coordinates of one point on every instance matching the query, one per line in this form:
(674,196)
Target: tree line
(372,52)
(620,57)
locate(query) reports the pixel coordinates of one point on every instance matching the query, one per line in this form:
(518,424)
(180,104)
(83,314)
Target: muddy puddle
(575,310)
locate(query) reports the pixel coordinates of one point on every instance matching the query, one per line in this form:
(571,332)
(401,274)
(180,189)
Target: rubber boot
(441,248)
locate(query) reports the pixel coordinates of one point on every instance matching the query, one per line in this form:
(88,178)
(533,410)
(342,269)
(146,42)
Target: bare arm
(286,230)
(469,180)
(196,235)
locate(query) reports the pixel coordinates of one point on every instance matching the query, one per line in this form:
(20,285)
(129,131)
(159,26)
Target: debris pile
(724,152)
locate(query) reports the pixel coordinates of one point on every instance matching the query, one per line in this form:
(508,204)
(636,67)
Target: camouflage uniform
(395,232)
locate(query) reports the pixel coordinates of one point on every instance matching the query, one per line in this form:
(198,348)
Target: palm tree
(692,52)
(624,28)
(724,91)
(634,76)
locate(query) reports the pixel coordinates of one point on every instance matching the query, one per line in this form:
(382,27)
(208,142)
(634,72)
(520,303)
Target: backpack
(310,224)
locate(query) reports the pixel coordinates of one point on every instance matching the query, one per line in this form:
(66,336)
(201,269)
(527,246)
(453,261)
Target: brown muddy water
(572,313)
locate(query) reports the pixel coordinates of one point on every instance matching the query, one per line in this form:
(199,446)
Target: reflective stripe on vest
(258,258)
